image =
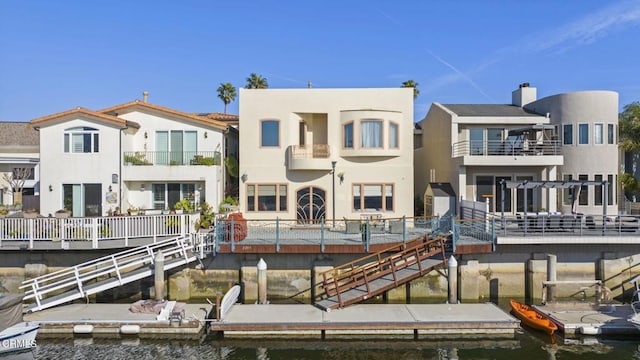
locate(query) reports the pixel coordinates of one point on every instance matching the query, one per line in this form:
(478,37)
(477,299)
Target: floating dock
(580,318)
(114,320)
(410,320)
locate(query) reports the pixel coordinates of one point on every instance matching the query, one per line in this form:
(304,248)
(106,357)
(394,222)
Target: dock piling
(452,278)
(158,272)
(262,282)
(552,261)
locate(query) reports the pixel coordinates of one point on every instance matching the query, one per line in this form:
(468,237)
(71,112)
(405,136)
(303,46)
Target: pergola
(526,184)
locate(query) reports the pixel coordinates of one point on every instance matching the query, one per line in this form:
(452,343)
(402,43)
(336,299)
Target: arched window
(81,139)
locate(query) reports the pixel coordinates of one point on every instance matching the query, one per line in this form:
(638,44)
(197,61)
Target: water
(524,346)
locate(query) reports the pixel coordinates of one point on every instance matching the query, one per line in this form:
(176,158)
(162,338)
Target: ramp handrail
(76,276)
(366,269)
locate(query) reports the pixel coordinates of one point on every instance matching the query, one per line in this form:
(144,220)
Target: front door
(310,205)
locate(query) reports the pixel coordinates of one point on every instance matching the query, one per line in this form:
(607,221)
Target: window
(393,136)
(348,136)
(610,184)
(82,199)
(598,134)
(167,195)
(477,141)
(567,193)
(610,134)
(267,197)
(371,133)
(597,191)
(270,133)
(176,147)
(567,134)
(368,197)
(81,140)
(583,198)
(583,134)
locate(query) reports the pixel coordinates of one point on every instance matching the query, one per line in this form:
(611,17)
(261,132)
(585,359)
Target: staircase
(374,274)
(105,273)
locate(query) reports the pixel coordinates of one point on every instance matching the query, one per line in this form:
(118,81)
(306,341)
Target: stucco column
(462,182)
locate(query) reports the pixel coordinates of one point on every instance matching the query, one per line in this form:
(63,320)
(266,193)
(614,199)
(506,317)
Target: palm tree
(412,84)
(255,81)
(226,93)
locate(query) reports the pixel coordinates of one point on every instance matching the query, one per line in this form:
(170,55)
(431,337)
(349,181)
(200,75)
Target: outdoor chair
(568,222)
(554,222)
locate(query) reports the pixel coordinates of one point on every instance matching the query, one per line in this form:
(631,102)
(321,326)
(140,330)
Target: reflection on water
(522,347)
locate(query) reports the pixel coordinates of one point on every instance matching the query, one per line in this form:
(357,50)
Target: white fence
(95,229)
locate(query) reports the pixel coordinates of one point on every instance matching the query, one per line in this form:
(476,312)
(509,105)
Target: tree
(16,181)
(255,81)
(629,141)
(226,93)
(629,126)
(412,84)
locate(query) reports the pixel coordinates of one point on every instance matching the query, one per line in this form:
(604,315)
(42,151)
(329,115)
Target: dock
(577,318)
(411,320)
(114,320)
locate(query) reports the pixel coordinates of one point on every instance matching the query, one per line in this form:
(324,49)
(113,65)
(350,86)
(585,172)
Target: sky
(57,55)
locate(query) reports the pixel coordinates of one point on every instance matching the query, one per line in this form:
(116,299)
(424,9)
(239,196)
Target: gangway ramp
(374,274)
(105,273)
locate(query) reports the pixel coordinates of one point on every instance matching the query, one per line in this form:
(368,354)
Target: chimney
(523,95)
(145,96)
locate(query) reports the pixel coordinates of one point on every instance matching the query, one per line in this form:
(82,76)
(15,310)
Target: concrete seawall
(512,271)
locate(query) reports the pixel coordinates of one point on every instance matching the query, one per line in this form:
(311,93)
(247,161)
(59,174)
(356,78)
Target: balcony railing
(506,148)
(142,158)
(314,151)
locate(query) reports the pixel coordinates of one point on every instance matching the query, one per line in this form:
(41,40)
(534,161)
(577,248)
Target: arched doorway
(310,205)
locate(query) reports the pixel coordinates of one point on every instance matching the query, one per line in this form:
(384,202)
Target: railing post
(232,236)
(94,232)
(277,235)
(404,228)
(366,235)
(154,219)
(126,231)
(31,232)
(322,235)
(493,233)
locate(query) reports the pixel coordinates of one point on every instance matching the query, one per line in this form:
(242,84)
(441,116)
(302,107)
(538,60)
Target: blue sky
(56,55)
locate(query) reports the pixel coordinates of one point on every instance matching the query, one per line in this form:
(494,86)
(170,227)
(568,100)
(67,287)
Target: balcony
(510,153)
(171,158)
(309,157)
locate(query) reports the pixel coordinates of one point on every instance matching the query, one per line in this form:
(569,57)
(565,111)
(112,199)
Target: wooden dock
(410,320)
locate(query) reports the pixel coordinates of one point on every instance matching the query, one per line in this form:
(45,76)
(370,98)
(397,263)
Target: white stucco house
(564,137)
(19,156)
(132,155)
(323,154)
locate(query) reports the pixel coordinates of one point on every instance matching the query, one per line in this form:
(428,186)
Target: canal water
(523,346)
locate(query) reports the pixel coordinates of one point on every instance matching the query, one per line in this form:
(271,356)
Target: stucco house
(133,155)
(570,136)
(324,154)
(19,159)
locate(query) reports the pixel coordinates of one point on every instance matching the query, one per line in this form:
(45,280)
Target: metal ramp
(105,273)
(374,274)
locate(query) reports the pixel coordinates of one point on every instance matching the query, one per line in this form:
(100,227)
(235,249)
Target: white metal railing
(74,281)
(505,148)
(95,229)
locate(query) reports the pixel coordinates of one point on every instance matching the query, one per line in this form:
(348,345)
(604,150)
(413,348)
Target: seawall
(512,271)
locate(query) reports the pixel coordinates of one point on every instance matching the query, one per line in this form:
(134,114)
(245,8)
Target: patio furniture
(352,226)
(568,222)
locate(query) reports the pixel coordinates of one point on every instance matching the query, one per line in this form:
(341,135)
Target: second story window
(567,134)
(583,134)
(393,136)
(598,134)
(348,136)
(371,133)
(270,133)
(610,134)
(81,140)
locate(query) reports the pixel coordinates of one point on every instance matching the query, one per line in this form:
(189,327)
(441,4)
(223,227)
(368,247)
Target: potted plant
(62,214)
(133,211)
(3,212)
(30,213)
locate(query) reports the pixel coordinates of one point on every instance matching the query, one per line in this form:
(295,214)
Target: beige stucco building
(571,136)
(306,152)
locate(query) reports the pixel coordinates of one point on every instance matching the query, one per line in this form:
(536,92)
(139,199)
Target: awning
(530,128)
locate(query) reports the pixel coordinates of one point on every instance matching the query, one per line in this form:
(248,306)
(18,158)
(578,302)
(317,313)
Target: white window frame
(599,141)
